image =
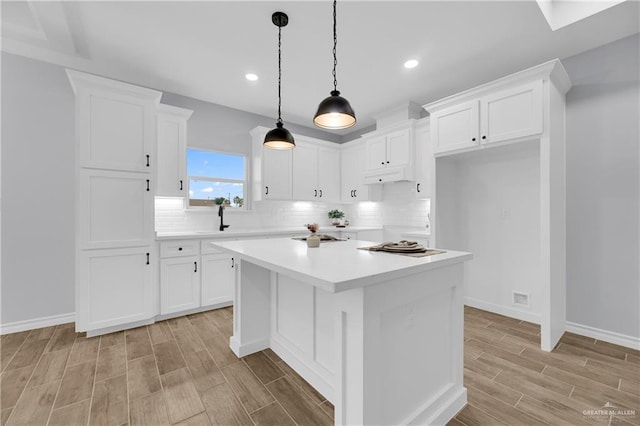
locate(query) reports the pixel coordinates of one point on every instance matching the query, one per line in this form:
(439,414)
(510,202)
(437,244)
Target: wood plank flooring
(181,371)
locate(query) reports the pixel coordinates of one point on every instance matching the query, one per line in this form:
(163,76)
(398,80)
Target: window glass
(216,178)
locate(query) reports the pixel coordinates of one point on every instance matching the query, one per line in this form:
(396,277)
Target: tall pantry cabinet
(115,159)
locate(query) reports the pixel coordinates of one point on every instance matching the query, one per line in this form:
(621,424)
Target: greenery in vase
(336,214)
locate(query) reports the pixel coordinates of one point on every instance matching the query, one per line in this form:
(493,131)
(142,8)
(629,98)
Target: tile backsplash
(398,209)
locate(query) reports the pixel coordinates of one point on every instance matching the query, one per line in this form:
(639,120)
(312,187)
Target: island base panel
(389,353)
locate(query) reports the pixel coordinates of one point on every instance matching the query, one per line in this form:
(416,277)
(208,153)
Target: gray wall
(603,187)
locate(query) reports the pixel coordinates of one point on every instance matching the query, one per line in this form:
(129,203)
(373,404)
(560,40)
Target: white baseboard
(604,335)
(503,310)
(32,324)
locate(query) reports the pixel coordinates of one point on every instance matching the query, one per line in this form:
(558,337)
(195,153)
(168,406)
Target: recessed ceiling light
(411,63)
(251,77)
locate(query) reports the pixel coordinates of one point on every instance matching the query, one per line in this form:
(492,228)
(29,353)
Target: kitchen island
(380,335)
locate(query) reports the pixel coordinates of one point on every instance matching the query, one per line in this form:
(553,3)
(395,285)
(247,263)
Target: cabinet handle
(179,248)
(195,266)
(180,184)
(267,190)
(147,258)
(147,160)
(147,184)
(484,137)
(418,187)
(352,192)
(315,192)
(473,139)
(355,192)
(321,193)
(233,262)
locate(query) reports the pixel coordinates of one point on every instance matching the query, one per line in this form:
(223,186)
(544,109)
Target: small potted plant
(336,216)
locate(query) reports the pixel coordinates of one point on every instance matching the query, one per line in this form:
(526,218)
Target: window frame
(245,182)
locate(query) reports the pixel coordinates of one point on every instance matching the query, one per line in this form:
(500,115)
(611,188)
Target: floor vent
(521,299)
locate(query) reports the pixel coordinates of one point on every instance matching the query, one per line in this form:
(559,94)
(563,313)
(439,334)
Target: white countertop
(334,266)
(239,233)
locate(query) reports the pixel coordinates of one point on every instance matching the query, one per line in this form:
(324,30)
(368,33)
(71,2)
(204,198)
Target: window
(216,178)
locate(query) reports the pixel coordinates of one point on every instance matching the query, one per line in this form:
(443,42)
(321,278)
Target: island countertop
(337,265)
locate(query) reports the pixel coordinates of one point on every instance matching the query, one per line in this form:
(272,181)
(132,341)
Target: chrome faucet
(221,214)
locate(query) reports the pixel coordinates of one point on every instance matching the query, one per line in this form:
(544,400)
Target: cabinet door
(114,287)
(171,152)
(218,279)
(512,113)
(328,174)
(399,148)
(116,131)
(376,153)
(348,166)
(179,284)
(304,180)
(116,209)
(455,127)
(276,174)
(424,163)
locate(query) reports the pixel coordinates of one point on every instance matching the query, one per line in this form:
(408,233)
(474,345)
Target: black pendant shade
(334,112)
(279,138)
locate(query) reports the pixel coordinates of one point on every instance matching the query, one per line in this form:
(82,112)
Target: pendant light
(334,112)
(279,138)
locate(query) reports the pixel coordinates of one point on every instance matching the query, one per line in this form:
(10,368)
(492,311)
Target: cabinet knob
(387,161)
(484,137)
(473,139)
(382,163)
(179,248)
(379,180)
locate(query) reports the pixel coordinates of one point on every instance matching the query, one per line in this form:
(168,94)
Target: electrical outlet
(521,299)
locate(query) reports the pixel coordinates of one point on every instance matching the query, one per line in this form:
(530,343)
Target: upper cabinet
(353,162)
(501,115)
(171,151)
(389,154)
(271,176)
(115,125)
(316,172)
(424,161)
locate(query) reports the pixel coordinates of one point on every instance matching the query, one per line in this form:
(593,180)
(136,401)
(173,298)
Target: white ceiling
(204,49)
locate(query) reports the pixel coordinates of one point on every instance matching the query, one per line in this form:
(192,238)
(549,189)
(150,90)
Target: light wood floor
(181,371)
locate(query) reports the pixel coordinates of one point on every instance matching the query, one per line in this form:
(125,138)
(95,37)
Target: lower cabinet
(194,275)
(116,287)
(179,284)
(217,278)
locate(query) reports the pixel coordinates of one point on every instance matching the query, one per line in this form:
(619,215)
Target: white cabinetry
(218,278)
(389,154)
(504,115)
(316,172)
(353,163)
(271,177)
(517,192)
(424,161)
(115,136)
(189,280)
(171,151)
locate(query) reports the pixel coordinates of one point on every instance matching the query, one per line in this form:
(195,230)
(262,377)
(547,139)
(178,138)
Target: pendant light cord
(279,73)
(335,43)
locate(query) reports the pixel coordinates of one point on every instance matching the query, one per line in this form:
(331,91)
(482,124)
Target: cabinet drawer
(207,248)
(179,248)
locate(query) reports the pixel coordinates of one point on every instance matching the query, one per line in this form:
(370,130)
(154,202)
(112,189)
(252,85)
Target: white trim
(32,324)
(503,310)
(604,335)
